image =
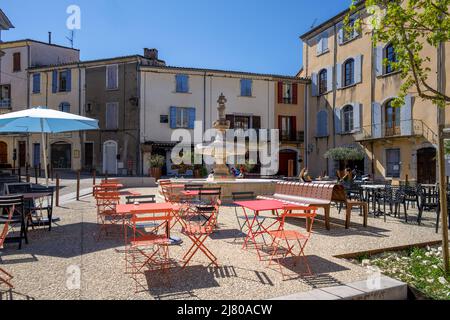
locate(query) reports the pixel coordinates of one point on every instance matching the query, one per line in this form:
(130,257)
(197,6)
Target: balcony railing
(405,128)
(292,136)
(5,103)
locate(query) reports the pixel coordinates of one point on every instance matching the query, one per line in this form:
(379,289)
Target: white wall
(43,54)
(158,95)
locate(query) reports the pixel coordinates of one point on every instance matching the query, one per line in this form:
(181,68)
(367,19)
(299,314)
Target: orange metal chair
(198,232)
(106,211)
(5,277)
(148,248)
(287,240)
(110,181)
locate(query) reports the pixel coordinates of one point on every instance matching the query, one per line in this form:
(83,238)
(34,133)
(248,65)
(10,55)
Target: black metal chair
(43,204)
(15,203)
(141,199)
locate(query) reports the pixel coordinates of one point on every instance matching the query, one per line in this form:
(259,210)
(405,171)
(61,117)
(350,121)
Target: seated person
(348,176)
(304,176)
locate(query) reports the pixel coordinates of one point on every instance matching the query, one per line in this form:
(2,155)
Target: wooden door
(3,153)
(284,163)
(426,166)
(22,153)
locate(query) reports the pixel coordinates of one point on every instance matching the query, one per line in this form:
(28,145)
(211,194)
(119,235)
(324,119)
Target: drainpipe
(306,99)
(204,102)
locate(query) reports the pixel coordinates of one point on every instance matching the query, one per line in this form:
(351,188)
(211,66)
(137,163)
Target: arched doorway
(286,156)
(426,165)
(3,152)
(61,155)
(110,157)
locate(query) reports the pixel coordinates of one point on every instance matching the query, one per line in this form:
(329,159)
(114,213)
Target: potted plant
(156,162)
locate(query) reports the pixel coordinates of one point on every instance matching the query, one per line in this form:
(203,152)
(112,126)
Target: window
(112,116)
(246,87)
(349,72)
(391,58)
(16,62)
(182,85)
(112,77)
(287,93)
(63,80)
(36,83)
(393,163)
(182,118)
(322,43)
(287,126)
(164,119)
(347,115)
(392,120)
(64,107)
(5,96)
(349,32)
(242,122)
(323,81)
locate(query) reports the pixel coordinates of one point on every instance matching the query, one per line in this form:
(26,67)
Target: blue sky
(248,35)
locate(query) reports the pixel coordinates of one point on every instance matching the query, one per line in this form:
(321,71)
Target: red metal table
(256,228)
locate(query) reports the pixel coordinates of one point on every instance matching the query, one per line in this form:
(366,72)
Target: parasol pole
(44,146)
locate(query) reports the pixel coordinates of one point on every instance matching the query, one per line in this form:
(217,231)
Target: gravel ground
(44,269)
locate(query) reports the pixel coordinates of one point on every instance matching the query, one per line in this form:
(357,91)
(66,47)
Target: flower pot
(156,173)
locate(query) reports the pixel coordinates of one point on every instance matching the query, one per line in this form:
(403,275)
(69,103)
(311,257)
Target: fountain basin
(260,187)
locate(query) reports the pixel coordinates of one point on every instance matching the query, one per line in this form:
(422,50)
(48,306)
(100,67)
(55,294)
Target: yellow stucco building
(349,104)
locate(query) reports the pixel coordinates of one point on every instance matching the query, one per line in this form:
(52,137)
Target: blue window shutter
(338,76)
(192,118)
(330,86)
(379,61)
(55,81)
(406,117)
(69,80)
(178,83)
(314,89)
(37,83)
(337,121)
(376,120)
(357,111)
(358,68)
(173,117)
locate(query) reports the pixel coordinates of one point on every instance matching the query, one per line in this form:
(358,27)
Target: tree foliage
(409,25)
(344,154)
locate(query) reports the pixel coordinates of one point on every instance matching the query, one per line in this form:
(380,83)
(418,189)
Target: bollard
(27,172)
(78,185)
(20,174)
(106,175)
(40,170)
(57,190)
(94,174)
(36,174)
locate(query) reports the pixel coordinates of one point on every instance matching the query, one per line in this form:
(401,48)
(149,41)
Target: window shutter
(280,92)
(379,61)
(16,62)
(319,45)
(314,89)
(230,118)
(338,76)
(376,120)
(69,80)
(337,121)
(173,117)
(329,79)
(406,117)
(293,125)
(358,68)
(36,83)
(191,120)
(55,81)
(280,123)
(243,89)
(256,122)
(294,93)
(325,41)
(340,34)
(185,82)
(357,111)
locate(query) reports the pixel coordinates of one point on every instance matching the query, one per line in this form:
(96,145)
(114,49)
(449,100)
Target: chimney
(151,54)
(49,37)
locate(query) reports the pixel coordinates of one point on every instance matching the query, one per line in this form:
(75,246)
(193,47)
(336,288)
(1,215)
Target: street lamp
(444,133)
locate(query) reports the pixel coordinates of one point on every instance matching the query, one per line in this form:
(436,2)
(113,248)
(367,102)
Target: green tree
(408,25)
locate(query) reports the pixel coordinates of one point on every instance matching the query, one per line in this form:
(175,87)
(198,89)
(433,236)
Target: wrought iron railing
(292,136)
(404,128)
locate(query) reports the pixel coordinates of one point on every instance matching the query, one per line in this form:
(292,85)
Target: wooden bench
(314,194)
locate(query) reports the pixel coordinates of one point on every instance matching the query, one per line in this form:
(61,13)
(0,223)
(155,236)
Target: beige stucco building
(348,104)
(17,91)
